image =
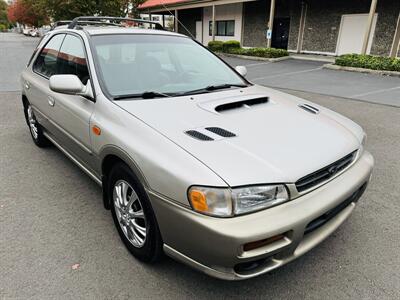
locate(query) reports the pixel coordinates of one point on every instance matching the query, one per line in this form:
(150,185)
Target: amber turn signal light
(198,200)
(96,130)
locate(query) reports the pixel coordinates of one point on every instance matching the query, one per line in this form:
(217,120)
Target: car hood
(276,141)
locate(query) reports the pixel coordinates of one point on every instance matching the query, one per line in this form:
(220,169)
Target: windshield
(159,65)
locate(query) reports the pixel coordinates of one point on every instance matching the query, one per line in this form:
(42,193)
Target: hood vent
(198,135)
(309,108)
(241,104)
(221,132)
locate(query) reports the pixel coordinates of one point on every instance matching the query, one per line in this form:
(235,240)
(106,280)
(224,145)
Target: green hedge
(260,52)
(234,47)
(215,46)
(230,45)
(369,62)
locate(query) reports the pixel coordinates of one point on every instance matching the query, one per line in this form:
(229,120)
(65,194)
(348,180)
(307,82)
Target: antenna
(162,2)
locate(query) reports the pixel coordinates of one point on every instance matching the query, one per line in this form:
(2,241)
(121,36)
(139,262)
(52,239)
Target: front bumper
(215,245)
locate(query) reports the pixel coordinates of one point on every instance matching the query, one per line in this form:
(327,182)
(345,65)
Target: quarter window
(72,58)
(223,28)
(46,63)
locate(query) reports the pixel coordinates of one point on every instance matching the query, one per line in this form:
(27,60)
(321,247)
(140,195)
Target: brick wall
(322,22)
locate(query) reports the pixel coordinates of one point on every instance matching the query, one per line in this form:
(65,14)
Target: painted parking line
(375,92)
(288,74)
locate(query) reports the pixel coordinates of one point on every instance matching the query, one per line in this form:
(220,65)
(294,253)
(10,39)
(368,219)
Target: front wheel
(133,215)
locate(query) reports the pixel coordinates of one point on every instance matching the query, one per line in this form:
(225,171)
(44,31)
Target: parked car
(26,30)
(34,32)
(194,160)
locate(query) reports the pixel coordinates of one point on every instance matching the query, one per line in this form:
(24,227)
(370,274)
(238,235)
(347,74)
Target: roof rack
(66,23)
(100,20)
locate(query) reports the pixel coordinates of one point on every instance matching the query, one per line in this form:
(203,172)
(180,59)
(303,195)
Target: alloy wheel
(33,126)
(129,212)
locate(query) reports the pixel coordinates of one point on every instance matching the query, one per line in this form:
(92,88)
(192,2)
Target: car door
(71,113)
(36,83)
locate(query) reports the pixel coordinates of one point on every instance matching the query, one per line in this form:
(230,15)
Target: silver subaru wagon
(194,161)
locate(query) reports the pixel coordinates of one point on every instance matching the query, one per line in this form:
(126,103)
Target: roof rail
(102,20)
(82,23)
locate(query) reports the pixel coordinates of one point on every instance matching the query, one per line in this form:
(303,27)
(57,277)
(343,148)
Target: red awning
(155,3)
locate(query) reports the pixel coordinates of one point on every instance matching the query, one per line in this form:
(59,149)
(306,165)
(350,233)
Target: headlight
(258,197)
(225,202)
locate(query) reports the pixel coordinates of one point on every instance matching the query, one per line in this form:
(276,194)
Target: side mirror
(70,84)
(242,70)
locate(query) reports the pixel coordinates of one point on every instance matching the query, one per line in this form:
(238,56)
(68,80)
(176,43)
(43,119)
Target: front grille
(318,222)
(324,174)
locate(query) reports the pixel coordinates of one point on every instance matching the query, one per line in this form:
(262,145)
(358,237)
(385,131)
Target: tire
(133,215)
(34,127)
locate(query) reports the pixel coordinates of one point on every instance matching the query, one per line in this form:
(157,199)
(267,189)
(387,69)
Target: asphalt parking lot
(52,218)
(309,76)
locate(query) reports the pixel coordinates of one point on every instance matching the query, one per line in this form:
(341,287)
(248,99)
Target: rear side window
(46,63)
(72,58)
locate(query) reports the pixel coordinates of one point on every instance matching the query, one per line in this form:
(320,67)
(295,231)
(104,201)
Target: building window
(223,28)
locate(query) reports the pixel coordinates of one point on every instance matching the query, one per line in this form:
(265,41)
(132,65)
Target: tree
(134,7)
(3,13)
(39,12)
(67,9)
(26,12)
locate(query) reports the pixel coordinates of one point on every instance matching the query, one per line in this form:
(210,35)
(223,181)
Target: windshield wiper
(224,86)
(144,95)
(213,88)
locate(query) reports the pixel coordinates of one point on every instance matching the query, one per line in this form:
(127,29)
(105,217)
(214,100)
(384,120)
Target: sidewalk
(313,57)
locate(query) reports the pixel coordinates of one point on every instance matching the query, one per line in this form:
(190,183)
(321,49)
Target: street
(52,215)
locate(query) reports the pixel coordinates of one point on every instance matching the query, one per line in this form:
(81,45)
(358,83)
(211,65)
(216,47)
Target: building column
(176,20)
(213,25)
(369,26)
(301,26)
(396,40)
(271,21)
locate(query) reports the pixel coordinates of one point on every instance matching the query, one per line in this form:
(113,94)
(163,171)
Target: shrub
(215,46)
(234,47)
(229,45)
(369,62)
(260,52)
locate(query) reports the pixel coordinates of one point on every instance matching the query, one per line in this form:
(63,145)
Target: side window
(46,63)
(72,58)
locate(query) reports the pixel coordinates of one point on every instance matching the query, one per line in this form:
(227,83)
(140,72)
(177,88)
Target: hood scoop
(198,135)
(309,108)
(221,132)
(210,133)
(240,104)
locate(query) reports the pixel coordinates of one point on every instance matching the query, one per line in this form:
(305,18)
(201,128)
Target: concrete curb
(361,70)
(313,58)
(254,57)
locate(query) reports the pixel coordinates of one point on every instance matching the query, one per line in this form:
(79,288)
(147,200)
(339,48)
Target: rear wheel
(34,127)
(133,215)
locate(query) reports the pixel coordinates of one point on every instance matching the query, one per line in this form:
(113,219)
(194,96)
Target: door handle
(51,101)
